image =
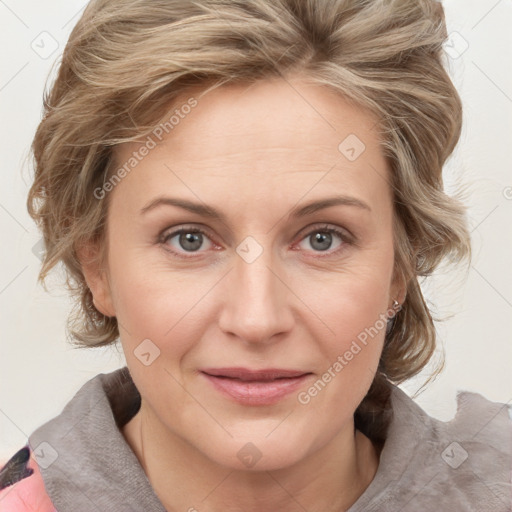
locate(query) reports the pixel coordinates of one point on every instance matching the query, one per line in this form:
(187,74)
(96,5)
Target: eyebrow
(205,210)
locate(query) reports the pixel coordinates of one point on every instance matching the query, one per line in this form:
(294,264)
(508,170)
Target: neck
(332,478)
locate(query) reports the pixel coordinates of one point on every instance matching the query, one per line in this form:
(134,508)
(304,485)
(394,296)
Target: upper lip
(247,374)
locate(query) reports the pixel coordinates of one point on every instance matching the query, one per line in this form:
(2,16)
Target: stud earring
(391,321)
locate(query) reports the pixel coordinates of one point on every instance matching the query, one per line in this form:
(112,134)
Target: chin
(258,452)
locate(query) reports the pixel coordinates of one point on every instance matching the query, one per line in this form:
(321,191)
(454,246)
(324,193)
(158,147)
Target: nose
(256,309)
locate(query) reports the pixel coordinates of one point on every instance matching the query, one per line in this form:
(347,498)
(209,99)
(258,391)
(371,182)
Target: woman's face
(268,283)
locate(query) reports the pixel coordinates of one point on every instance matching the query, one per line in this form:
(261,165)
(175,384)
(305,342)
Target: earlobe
(96,279)
(400,296)
(398,290)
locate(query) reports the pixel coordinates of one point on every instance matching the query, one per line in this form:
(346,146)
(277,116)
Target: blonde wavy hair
(126,61)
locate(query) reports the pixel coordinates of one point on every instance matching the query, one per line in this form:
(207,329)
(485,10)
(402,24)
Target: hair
(127,61)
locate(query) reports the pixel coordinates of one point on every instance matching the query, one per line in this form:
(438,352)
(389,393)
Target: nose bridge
(255,308)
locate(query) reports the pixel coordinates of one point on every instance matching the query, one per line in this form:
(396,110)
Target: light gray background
(40,371)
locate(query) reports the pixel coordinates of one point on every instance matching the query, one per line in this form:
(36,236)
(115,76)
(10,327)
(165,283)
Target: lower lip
(257,392)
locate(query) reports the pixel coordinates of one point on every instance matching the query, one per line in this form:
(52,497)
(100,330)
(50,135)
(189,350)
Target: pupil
(322,237)
(190,238)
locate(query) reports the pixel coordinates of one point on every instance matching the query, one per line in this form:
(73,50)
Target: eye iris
(192,240)
(195,239)
(321,236)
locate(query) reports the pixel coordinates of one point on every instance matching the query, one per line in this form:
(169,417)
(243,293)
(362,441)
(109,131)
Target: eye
(191,239)
(321,239)
(188,240)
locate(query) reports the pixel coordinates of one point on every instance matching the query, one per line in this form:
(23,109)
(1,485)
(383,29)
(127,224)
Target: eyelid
(167,232)
(344,234)
(320,226)
(346,237)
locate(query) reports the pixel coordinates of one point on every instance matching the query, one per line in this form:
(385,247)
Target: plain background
(40,371)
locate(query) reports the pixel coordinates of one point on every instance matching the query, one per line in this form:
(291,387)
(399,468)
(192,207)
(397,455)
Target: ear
(96,277)
(398,290)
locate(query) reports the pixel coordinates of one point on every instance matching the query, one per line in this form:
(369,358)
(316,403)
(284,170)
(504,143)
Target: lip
(255,387)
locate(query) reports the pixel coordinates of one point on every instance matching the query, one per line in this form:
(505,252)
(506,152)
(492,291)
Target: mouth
(255,387)
(246,374)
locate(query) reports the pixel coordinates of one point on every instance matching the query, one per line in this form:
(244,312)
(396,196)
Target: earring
(391,321)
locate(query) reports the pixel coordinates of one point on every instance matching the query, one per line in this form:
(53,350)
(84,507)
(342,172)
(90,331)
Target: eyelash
(345,238)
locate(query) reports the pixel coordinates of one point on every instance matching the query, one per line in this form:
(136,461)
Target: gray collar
(87,465)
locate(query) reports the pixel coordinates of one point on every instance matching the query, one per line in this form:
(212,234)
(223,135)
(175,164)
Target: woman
(244,193)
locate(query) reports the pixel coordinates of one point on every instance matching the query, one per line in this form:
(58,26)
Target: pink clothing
(27,494)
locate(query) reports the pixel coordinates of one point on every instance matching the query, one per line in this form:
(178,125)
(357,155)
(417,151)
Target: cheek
(148,302)
(351,356)
(168,308)
(353,305)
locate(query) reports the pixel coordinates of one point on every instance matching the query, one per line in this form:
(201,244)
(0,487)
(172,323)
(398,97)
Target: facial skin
(254,153)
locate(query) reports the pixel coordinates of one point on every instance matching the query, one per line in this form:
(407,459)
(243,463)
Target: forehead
(271,138)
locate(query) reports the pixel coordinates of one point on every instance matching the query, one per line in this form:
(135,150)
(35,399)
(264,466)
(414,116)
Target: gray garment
(425,464)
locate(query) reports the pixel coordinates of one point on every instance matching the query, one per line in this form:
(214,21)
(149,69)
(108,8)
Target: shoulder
(466,461)
(482,422)
(21,485)
(481,432)
(474,454)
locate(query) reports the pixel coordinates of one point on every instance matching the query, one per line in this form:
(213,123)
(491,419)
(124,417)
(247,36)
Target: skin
(255,153)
